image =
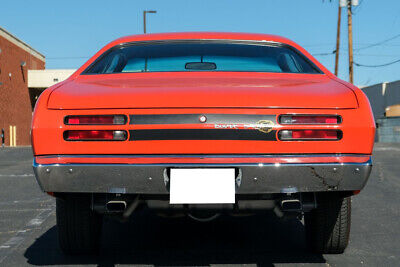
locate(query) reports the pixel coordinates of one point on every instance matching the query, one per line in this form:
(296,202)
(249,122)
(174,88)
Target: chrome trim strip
(206,155)
(204,165)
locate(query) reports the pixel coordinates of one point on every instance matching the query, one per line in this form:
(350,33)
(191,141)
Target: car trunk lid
(202,90)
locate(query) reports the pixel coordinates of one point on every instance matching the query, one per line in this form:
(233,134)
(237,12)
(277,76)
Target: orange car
(202,124)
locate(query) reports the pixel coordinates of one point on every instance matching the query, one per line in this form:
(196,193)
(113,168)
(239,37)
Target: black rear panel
(201,134)
(216,127)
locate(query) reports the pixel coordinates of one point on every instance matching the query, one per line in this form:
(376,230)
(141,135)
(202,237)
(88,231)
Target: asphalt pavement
(28,234)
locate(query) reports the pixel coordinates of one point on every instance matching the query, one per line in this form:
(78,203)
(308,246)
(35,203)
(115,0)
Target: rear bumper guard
(252,178)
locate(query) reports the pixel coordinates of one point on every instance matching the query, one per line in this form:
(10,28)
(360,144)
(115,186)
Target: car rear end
(204,143)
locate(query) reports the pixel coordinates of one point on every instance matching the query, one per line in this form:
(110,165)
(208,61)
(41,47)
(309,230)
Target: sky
(69,32)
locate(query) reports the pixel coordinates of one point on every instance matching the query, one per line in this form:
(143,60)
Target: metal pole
(350,36)
(338,42)
(144,21)
(144,18)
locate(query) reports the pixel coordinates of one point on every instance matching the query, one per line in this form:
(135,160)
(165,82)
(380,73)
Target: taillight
(309,119)
(309,135)
(95,120)
(95,135)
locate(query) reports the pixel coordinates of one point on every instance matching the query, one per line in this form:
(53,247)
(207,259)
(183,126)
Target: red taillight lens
(309,119)
(298,135)
(95,120)
(94,135)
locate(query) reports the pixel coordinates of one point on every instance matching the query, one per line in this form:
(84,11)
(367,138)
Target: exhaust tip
(116,206)
(291,205)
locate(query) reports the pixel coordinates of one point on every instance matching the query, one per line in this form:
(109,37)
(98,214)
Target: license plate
(202,186)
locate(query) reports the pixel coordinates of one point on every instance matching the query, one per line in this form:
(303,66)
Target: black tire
(328,226)
(79,228)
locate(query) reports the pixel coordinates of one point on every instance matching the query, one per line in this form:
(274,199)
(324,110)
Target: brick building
(16,101)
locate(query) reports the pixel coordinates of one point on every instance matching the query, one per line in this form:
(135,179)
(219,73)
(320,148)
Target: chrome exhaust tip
(116,206)
(291,205)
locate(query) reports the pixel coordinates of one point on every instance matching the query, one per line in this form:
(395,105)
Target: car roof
(202,35)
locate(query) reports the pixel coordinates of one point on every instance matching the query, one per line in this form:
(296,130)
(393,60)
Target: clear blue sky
(69,32)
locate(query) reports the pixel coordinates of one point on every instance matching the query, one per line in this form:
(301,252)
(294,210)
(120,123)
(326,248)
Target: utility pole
(344,3)
(350,37)
(144,18)
(338,41)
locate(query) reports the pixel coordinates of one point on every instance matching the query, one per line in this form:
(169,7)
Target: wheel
(79,228)
(328,226)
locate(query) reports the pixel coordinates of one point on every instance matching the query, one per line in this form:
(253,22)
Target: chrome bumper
(153,178)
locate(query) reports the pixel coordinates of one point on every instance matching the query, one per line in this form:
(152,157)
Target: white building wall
(47,78)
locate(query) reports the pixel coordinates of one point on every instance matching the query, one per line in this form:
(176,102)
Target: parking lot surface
(28,235)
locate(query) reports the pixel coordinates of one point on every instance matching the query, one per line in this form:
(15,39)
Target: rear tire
(79,228)
(328,226)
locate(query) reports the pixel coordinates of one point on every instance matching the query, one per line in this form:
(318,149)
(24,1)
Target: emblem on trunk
(264,126)
(202,118)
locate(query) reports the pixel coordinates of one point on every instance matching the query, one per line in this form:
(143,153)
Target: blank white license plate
(202,186)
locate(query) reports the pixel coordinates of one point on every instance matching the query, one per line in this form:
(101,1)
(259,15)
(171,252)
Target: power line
(331,45)
(358,54)
(324,54)
(365,47)
(377,55)
(377,66)
(379,43)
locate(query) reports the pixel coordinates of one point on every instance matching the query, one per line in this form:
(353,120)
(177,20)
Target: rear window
(202,56)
